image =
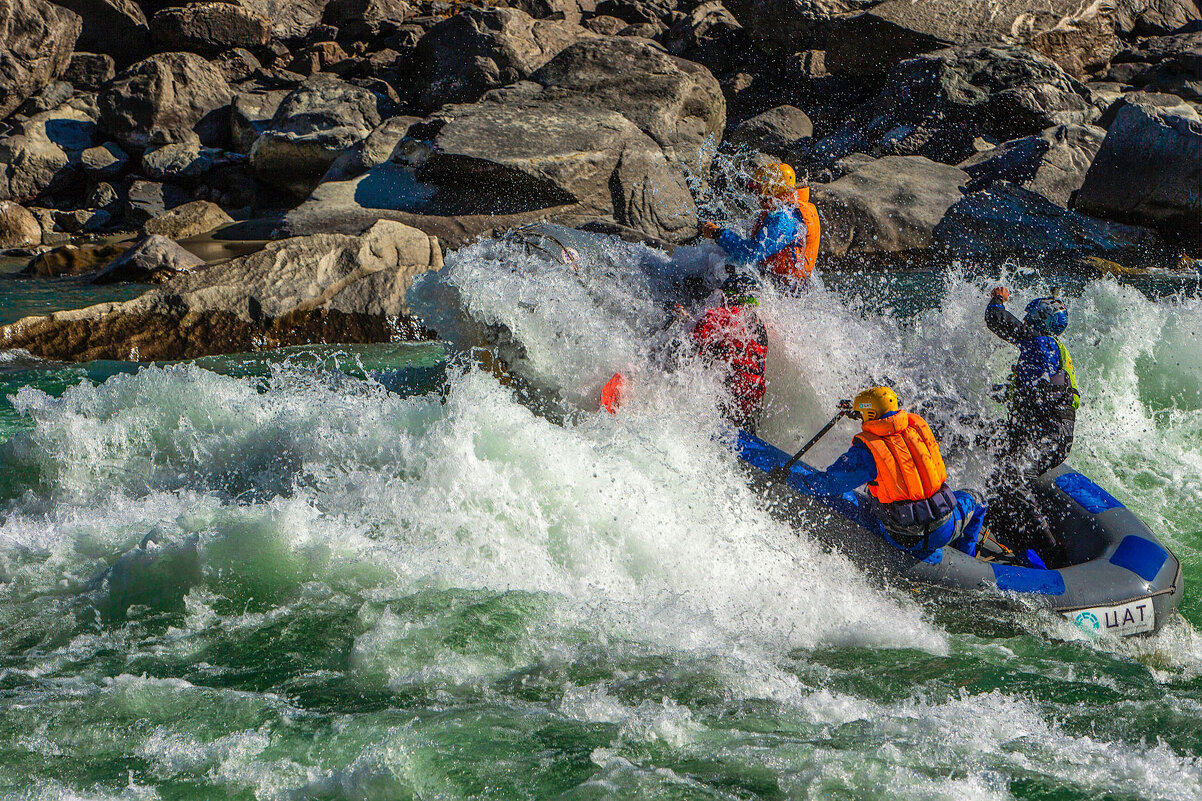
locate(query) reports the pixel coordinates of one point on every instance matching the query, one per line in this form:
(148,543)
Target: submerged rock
(153,260)
(73,260)
(323,288)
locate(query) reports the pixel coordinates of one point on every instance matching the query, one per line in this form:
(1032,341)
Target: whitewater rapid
(485,588)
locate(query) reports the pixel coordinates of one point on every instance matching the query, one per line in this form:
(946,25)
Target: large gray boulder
(169,97)
(42,155)
(36,41)
(153,260)
(18,227)
(937,105)
(677,103)
(889,205)
(464,56)
(114,27)
(312,126)
(605,130)
(523,155)
(1149,172)
(866,37)
(323,288)
(209,28)
(1006,219)
(1052,163)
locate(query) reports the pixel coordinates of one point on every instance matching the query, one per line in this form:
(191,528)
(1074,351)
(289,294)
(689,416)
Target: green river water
(379,574)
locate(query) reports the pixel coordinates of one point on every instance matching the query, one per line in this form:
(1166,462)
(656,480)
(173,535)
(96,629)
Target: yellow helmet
(875,403)
(775,180)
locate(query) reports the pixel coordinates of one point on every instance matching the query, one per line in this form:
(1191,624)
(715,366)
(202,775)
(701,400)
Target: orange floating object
(611,393)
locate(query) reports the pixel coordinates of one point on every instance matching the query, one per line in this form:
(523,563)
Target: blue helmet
(1048,315)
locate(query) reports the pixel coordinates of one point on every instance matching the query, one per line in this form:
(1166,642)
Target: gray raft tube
(1121,579)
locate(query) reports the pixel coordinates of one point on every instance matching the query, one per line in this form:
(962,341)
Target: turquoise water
(26,297)
(378,572)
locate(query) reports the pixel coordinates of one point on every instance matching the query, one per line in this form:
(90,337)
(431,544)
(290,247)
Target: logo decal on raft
(1134,617)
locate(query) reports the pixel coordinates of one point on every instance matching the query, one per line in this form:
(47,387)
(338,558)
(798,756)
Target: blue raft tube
(1121,580)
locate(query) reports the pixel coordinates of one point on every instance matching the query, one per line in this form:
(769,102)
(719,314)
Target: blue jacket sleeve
(855,468)
(778,232)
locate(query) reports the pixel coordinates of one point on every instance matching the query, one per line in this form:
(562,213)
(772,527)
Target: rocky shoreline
(365,137)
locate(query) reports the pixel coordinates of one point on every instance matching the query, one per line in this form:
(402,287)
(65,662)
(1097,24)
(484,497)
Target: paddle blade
(611,393)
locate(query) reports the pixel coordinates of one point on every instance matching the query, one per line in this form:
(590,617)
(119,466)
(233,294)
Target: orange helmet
(775,180)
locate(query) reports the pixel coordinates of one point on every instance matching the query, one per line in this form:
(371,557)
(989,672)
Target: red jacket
(735,335)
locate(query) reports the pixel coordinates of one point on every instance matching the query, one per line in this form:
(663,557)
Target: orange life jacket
(795,262)
(909,466)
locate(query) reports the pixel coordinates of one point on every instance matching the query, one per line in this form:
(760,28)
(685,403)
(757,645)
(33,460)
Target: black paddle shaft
(783,469)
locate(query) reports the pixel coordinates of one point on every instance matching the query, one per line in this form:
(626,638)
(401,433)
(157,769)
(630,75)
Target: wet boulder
(888,205)
(1052,163)
(464,56)
(18,227)
(322,288)
(937,105)
(42,155)
(209,28)
(115,27)
(169,97)
(36,41)
(1149,172)
(155,259)
(1006,219)
(314,124)
(868,37)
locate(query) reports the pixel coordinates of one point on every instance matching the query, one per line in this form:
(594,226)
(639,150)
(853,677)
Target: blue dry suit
(782,228)
(856,467)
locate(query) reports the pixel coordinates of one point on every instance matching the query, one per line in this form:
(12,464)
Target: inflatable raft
(1121,581)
